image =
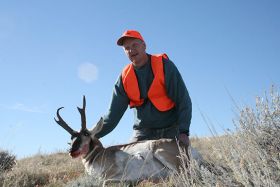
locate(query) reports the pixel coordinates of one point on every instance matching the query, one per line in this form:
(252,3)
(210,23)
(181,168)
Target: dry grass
(247,156)
(43,170)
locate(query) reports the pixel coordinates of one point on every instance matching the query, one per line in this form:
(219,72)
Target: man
(153,87)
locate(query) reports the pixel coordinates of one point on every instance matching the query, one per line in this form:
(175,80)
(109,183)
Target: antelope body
(150,159)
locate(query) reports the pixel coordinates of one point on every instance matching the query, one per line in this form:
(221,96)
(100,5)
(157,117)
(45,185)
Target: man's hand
(184,139)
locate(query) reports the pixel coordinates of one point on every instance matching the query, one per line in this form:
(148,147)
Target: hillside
(247,156)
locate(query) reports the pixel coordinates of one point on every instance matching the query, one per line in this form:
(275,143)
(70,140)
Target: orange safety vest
(157,91)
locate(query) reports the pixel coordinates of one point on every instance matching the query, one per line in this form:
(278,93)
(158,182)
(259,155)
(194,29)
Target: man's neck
(143,62)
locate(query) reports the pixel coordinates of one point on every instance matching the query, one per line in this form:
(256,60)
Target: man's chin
(133,60)
(136,62)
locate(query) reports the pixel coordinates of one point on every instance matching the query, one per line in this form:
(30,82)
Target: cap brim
(121,39)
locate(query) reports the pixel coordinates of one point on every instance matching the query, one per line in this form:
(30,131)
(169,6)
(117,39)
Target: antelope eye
(86,133)
(72,137)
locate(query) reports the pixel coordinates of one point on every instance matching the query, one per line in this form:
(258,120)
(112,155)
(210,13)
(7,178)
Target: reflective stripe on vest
(157,91)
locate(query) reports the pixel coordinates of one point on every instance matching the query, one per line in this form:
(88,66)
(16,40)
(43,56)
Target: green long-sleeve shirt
(147,115)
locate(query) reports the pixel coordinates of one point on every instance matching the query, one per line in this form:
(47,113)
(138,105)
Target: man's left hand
(184,138)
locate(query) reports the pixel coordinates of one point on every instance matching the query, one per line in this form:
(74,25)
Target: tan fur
(149,159)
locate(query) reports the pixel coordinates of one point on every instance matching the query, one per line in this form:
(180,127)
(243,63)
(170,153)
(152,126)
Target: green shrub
(7,161)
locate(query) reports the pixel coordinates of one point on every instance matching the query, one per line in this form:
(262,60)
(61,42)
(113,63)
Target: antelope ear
(98,127)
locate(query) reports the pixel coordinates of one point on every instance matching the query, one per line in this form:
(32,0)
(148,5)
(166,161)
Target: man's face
(135,50)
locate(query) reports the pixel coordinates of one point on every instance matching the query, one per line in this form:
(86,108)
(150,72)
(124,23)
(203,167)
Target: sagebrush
(7,161)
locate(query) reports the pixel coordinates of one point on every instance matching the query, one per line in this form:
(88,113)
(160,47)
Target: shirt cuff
(185,132)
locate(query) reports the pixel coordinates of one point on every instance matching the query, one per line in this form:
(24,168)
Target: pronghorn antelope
(150,159)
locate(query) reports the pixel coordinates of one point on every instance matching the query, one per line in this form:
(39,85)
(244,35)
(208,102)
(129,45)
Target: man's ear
(144,45)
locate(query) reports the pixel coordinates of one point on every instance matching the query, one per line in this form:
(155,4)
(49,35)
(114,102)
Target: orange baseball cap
(129,34)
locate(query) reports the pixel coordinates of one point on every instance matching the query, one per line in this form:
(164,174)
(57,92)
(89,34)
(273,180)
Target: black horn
(63,124)
(83,113)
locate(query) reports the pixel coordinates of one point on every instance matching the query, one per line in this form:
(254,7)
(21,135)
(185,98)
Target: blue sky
(54,52)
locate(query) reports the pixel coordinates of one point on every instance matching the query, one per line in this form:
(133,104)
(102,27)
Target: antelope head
(84,141)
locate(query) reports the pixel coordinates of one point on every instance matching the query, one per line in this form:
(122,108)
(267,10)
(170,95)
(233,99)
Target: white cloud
(24,108)
(88,72)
